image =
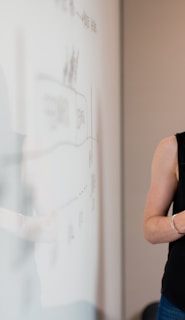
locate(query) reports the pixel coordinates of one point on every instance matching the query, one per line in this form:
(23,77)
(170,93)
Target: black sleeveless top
(173,281)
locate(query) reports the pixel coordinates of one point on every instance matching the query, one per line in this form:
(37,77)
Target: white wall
(154,107)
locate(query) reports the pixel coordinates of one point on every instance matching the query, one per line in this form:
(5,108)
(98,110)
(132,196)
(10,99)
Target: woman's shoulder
(168,144)
(166,152)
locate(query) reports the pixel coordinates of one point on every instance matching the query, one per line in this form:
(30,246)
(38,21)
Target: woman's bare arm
(38,228)
(33,228)
(164,180)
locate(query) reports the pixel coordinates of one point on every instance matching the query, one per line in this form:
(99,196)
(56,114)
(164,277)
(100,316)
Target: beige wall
(154,107)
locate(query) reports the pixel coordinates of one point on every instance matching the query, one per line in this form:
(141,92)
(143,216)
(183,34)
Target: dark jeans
(167,311)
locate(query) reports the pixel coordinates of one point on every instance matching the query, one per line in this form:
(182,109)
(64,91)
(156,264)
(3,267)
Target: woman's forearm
(34,228)
(160,229)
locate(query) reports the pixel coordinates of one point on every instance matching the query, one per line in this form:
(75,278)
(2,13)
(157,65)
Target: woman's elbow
(149,233)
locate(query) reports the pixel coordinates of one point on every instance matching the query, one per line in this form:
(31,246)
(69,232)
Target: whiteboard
(55,113)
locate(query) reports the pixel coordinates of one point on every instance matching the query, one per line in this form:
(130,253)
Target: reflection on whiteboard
(63,177)
(51,96)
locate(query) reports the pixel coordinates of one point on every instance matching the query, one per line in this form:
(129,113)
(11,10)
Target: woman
(168,186)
